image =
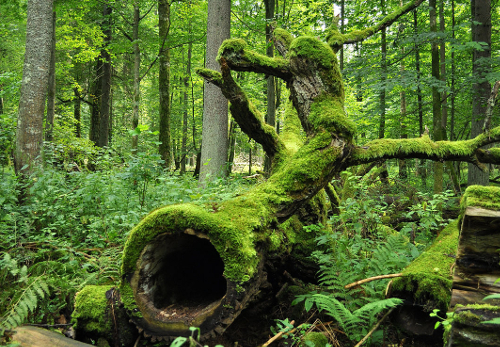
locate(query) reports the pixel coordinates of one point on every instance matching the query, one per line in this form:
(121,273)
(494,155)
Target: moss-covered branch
(424,148)
(239,58)
(250,120)
(335,39)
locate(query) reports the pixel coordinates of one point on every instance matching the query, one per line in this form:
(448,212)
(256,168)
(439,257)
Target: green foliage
(27,300)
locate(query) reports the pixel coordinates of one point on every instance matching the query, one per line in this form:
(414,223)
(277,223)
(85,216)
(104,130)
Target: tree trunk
(215,112)
(165,148)
(29,133)
(481,32)
(185,112)
(77,112)
(436,97)
(422,170)
(51,94)
(137,77)
(105,107)
(403,170)
(95,116)
(383,77)
(271,82)
(232,143)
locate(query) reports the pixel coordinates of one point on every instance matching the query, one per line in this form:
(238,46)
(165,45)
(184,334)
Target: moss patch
(481,196)
(428,277)
(91,308)
(316,338)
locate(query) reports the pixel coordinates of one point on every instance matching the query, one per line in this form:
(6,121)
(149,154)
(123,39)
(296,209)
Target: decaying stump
(426,285)
(477,268)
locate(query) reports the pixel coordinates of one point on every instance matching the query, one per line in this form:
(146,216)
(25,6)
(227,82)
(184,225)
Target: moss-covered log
(188,265)
(426,285)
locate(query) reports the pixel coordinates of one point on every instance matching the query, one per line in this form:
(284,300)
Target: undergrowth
(71,229)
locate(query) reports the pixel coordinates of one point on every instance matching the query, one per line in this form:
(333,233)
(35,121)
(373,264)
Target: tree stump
(477,268)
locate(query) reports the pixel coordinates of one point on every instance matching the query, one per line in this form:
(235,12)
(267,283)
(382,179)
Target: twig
(366,280)
(277,336)
(374,328)
(49,325)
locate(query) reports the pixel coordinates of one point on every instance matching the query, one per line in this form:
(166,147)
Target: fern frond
(27,302)
(368,312)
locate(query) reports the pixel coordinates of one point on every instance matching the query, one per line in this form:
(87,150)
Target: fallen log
(425,285)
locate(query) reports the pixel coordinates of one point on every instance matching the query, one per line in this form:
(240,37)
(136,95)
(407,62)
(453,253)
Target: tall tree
(164,82)
(105,99)
(481,33)
(51,94)
(215,106)
(137,74)
(271,82)
(383,77)
(436,97)
(29,133)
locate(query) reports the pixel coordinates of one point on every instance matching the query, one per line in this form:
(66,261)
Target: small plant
(444,322)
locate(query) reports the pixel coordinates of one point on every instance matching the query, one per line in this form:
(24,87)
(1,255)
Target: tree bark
(77,112)
(137,76)
(105,99)
(29,133)
(215,109)
(481,32)
(271,83)
(165,148)
(51,94)
(436,97)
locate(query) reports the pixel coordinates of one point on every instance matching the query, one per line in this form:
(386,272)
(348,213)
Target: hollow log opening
(181,275)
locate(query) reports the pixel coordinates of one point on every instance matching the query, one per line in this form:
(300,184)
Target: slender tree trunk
(271,81)
(422,171)
(29,133)
(95,116)
(436,97)
(383,71)
(77,112)
(481,13)
(164,83)
(137,77)
(403,170)
(51,94)
(232,143)
(110,123)
(185,114)
(342,15)
(215,106)
(105,108)
(453,67)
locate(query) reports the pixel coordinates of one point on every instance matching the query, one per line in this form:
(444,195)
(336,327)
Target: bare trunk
(481,32)
(105,107)
(137,77)
(29,133)
(422,170)
(271,82)
(51,95)
(77,112)
(186,106)
(165,148)
(215,107)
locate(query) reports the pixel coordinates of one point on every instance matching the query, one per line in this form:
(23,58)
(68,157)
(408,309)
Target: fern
(353,323)
(26,303)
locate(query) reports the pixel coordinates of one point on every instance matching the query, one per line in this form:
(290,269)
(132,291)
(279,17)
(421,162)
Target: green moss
(318,339)
(91,308)
(237,47)
(428,277)
(210,74)
(128,300)
(311,48)
(327,112)
(283,36)
(480,196)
